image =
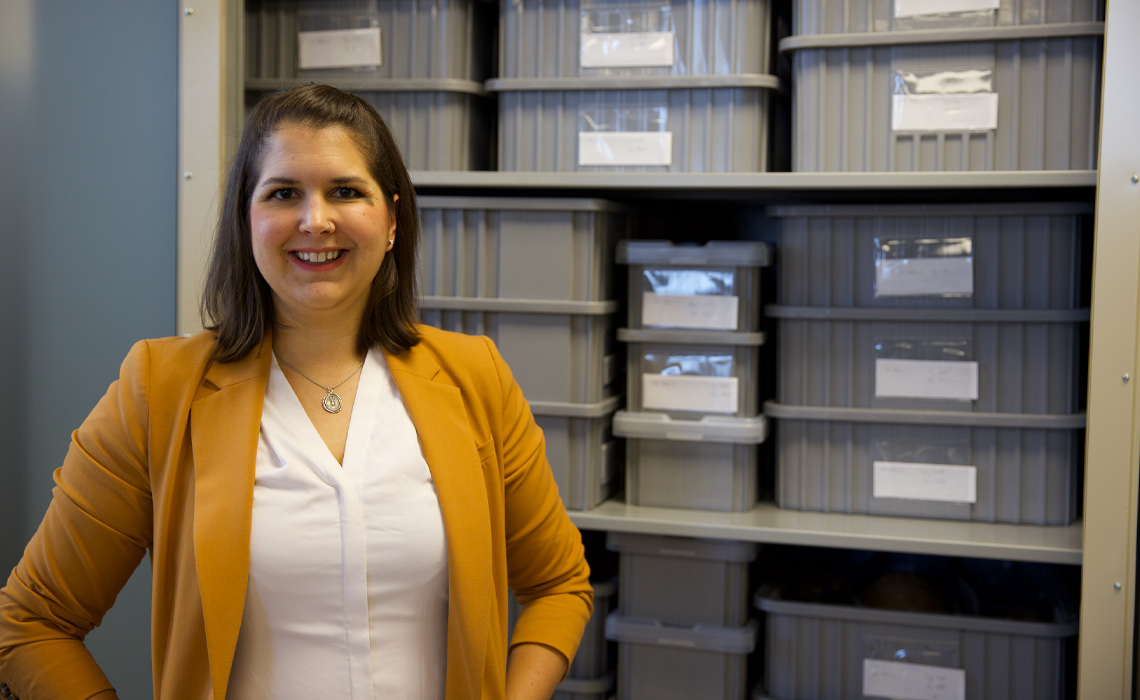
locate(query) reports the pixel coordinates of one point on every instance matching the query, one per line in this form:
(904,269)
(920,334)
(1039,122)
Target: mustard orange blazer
(165,463)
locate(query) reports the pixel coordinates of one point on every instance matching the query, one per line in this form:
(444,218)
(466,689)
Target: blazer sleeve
(96,531)
(546,563)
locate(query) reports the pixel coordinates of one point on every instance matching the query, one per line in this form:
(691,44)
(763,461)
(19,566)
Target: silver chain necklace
(331,402)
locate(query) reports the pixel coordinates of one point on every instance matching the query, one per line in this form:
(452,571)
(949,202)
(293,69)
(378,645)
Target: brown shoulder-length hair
(237,303)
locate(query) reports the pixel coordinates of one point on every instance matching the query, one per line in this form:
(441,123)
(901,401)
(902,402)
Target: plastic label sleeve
(338,48)
(625,50)
(926,379)
(689,393)
(893,679)
(917,8)
(625,148)
(924,482)
(705,311)
(901,277)
(945,112)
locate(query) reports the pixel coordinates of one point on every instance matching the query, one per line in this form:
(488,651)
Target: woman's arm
(533,672)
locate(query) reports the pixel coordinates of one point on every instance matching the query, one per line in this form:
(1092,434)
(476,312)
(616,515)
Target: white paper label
(892,679)
(903,277)
(705,311)
(925,482)
(625,148)
(338,48)
(948,112)
(917,8)
(926,379)
(625,50)
(689,393)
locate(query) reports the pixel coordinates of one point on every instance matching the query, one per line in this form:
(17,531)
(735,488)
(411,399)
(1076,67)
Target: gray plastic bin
(715,286)
(981,256)
(559,352)
(591,665)
(707,464)
(696,124)
(489,247)
(682,580)
(983,361)
(690,374)
(928,464)
(585,688)
(417,38)
(583,455)
(568,38)
(855,16)
(818,651)
(877,101)
(662,662)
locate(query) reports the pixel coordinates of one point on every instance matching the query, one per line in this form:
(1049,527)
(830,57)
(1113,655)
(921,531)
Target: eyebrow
(349,180)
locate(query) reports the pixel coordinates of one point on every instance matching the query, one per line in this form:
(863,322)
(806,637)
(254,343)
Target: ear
(393,215)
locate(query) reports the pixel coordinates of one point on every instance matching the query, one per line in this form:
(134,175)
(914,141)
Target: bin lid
(730,551)
(712,253)
(727,640)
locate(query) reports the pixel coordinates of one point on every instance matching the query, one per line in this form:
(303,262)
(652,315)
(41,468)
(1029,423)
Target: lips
(317,258)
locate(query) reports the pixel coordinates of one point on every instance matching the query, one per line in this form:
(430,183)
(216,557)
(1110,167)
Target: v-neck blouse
(347,593)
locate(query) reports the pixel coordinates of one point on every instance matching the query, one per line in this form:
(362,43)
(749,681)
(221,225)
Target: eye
(283,194)
(345,193)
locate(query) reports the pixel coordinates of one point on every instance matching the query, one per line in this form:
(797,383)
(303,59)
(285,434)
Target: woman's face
(320,224)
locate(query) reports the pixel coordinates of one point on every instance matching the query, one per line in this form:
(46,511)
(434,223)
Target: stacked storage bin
(905,85)
(615,86)
(535,275)
(682,625)
(692,423)
(930,361)
(420,63)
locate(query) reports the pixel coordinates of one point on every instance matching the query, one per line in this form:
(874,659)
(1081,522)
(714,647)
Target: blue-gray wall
(88,137)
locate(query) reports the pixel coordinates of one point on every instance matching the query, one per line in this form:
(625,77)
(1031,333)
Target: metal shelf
(770,524)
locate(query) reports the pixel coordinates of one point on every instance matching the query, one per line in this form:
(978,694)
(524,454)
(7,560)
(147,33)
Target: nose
(316,216)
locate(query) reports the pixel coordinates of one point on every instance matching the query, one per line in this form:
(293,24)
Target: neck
(328,349)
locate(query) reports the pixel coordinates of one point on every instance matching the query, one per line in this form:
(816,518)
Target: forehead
(306,148)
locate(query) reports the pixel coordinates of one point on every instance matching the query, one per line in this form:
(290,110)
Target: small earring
(391,242)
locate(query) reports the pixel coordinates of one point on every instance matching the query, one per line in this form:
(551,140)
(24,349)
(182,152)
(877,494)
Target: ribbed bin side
(651,672)
(685,592)
(713,129)
(418,38)
(554,357)
(856,16)
(1020,260)
(542,38)
(1032,368)
(713,476)
(1024,475)
(504,253)
(585,458)
(1048,107)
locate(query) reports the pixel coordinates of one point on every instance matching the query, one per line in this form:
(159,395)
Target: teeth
(318,257)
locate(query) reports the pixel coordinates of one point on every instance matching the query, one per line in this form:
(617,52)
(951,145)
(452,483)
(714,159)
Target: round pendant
(332,403)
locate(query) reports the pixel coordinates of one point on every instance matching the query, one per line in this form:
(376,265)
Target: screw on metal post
(1126,376)
(189,10)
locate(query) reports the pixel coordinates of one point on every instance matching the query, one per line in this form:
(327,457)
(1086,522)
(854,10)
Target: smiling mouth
(317,258)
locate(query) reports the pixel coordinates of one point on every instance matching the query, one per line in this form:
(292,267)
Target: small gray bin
(981,361)
(583,455)
(927,464)
(818,651)
(856,16)
(559,352)
(512,248)
(585,688)
(689,374)
(663,662)
(695,124)
(715,286)
(568,38)
(682,580)
(883,102)
(708,464)
(981,256)
(590,669)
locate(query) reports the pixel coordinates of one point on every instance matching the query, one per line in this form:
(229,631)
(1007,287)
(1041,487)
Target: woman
(334,498)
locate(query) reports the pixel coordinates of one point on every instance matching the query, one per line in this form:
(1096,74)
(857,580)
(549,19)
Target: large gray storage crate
(927,464)
(857,16)
(591,665)
(695,124)
(980,256)
(689,374)
(715,286)
(707,464)
(568,38)
(1003,98)
(585,458)
(982,361)
(514,248)
(559,352)
(818,651)
(412,39)
(683,581)
(662,662)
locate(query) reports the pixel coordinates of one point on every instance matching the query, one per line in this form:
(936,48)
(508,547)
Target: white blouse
(347,594)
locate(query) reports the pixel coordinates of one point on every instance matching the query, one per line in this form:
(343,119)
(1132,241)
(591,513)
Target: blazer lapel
(224,424)
(440,418)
